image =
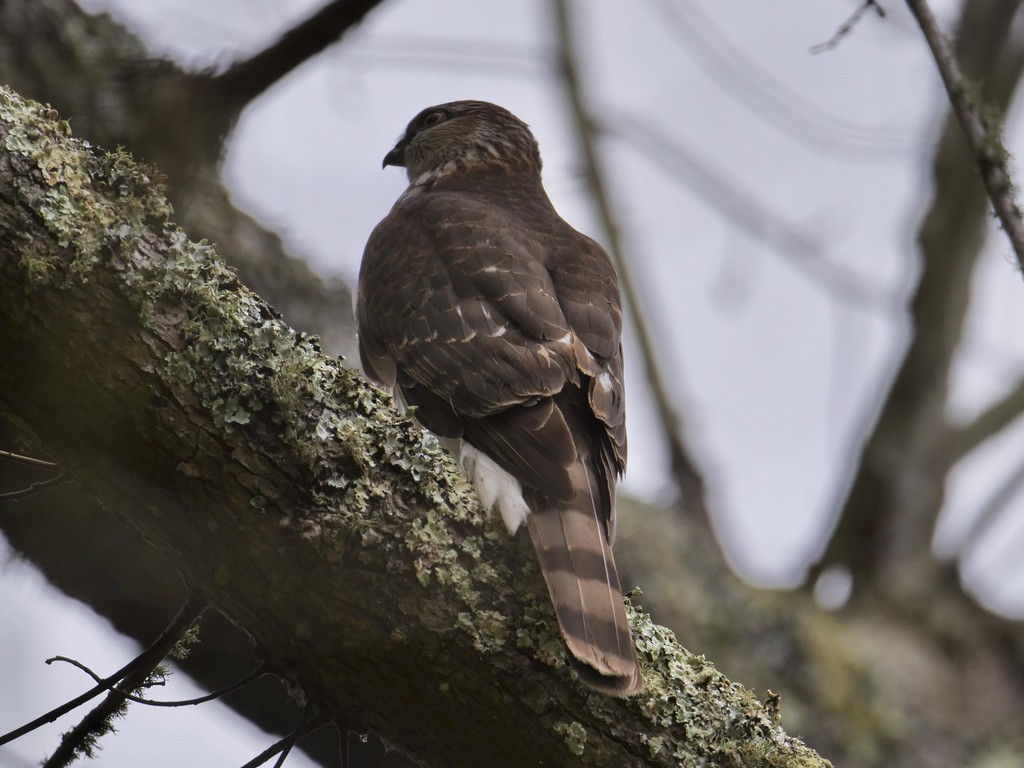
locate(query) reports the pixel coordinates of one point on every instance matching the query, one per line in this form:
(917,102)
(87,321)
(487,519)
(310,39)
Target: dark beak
(396,156)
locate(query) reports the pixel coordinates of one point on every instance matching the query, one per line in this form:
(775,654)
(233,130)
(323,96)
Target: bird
(501,324)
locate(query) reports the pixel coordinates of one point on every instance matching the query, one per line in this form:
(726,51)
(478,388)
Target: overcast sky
(776,368)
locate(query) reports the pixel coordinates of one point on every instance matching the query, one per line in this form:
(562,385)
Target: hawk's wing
(482,317)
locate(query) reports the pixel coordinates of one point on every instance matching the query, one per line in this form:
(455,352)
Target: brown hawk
(501,323)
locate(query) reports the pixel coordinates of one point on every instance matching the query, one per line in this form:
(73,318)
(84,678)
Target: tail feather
(576,560)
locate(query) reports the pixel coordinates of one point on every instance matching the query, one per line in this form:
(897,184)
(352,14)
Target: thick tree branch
(284,488)
(96,72)
(246,80)
(91,68)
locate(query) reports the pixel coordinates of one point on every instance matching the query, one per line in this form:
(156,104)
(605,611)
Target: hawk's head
(461,134)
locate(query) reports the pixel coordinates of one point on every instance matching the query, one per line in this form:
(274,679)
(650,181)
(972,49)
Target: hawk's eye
(433,119)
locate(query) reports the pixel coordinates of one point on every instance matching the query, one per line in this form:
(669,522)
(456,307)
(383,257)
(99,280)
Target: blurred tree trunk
(886,524)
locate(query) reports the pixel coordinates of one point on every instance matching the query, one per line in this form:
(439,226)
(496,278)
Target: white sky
(776,374)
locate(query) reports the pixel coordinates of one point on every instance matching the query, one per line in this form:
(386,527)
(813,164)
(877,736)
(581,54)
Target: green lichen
(244,363)
(95,205)
(488,629)
(538,632)
(654,745)
(730,726)
(575,736)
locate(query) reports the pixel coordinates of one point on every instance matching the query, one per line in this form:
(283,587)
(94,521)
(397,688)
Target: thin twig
(688,477)
(804,254)
(35,488)
(848,26)
(267,753)
(30,460)
(256,674)
(97,722)
(983,135)
(989,422)
(991,510)
(190,611)
(312,726)
(307,713)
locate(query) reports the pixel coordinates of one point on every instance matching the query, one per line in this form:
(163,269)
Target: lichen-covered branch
(982,129)
(97,73)
(289,492)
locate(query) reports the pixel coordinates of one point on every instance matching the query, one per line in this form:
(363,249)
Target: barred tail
(576,560)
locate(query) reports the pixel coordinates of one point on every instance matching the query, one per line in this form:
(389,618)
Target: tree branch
(246,80)
(806,255)
(93,69)
(999,415)
(29,460)
(285,489)
(982,128)
(688,477)
(144,663)
(897,484)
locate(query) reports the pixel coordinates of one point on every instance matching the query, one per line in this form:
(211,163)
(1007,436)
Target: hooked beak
(396,156)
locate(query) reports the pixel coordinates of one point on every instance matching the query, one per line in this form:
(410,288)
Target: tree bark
(100,75)
(284,488)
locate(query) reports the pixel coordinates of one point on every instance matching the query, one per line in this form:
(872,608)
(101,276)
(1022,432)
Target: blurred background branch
(667,397)
(982,128)
(887,521)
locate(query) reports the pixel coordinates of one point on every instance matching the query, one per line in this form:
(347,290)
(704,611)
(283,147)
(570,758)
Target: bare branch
(848,26)
(305,727)
(145,661)
(246,80)
(256,674)
(29,460)
(688,476)
(35,488)
(801,252)
(991,421)
(897,484)
(981,126)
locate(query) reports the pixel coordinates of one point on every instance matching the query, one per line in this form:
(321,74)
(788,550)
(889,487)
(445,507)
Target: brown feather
(502,325)
(573,547)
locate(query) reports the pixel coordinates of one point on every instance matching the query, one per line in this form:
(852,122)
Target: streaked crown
(462,134)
